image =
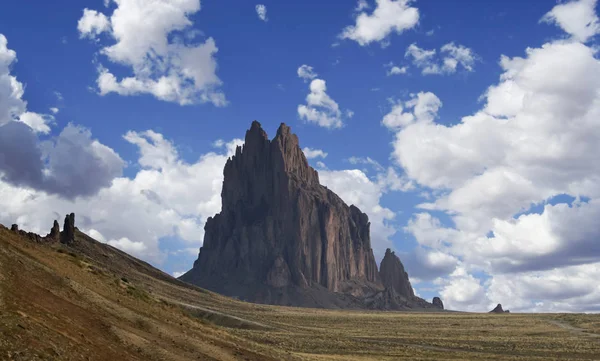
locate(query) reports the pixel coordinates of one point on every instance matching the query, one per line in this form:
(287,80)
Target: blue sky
(456,220)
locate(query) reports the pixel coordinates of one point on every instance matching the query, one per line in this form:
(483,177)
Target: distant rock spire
(54,234)
(67,236)
(394,276)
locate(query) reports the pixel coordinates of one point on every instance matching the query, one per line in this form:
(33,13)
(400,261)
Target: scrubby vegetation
(95,302)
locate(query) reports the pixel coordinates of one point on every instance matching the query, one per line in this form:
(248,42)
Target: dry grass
(93,302)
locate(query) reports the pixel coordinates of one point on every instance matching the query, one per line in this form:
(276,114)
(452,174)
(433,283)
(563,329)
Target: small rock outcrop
(437,302)
(67,236)
(393,275)
(497,309)
(54,235)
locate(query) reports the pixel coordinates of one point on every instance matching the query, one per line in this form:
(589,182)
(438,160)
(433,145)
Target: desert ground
(93,302)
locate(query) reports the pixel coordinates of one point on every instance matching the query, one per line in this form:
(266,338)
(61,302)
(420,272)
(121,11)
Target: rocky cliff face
(67,236)
(394,276)
(279,227)
(283,238)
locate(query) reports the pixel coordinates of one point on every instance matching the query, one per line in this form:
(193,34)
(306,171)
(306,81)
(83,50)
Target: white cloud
(311,153)
(394,70)
(134,214)
(450,57)
(12,104)
(71,164)
(136,249)
(462,291)
(306,72)
(366,161)
(54,110)
(577,18)
(424,110)
(261,11)
(389,16)
(320,108)
(157,42)
(362,5)
(178,274)
(535,138)
(92,23)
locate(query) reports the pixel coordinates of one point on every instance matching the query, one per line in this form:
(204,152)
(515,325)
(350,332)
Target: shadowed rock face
(497,309)
(283,238)
(54,234)
(437,302)
(394,276)
(279,227)
(67,236)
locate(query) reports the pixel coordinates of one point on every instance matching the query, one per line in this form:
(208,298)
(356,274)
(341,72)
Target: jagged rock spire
(394,276)
(67,236)
(54,234)
(279,227)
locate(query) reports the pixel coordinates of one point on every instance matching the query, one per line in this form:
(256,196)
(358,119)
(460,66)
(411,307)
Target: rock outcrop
(67,236)
(280,228)
(497,309)
(54,234)
(394,276)
(283,238)
(437,302)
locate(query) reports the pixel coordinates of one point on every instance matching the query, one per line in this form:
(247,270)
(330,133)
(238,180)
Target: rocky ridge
(67,236)
(283,238)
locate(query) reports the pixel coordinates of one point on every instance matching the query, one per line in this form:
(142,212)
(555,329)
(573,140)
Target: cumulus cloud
(577,18)
(447,62)
(92,23)
(134,214)
(421,108)
(320,108)
(261,11)
(395,70)
(496,175)
(157,42)
(12,105)
(362,5)
(38,122)
(311,153)
(71,164)
(388,16)
(307,73)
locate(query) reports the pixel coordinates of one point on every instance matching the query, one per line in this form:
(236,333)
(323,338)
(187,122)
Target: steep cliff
(279,228)
(394,276)
(283,238)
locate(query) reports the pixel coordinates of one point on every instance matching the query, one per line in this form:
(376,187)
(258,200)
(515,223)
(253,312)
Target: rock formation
(67,236)
(279,227)
(497,309)
(283,238)
(394,276)
(437,302)
(54,234)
